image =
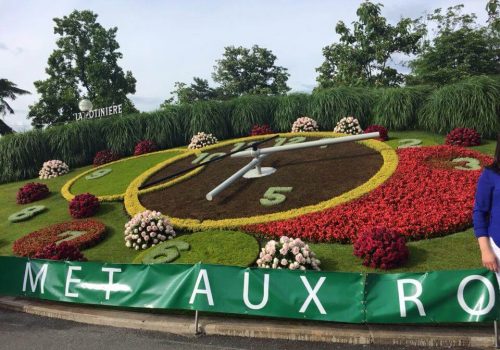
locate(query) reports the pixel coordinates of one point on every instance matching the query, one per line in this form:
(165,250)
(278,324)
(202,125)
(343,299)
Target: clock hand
(168,177)
(322,142)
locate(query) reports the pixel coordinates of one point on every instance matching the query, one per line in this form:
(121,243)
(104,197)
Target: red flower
(83,206)
(63,251)
(105,156)
(464,137)
(380,248)
(145,146)
(422,199)
(30,244)
(32,192)
(384,136)
(263,129)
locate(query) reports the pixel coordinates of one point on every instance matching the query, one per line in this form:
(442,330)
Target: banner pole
(495,326)
(196,327)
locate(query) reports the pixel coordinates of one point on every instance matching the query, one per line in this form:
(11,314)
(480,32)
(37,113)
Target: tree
(84,65)
(9,90)
(363,53)
(250,71)
(197,91)
(459,50)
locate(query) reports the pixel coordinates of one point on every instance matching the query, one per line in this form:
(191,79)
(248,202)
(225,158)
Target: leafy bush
(463,137)
(288,253)
(330,105)
(83,206)
(348,125)
(145,146)
(31,192)
(381,248)
(263,129)
(147,229)
(201,140)
(53,168)
(305,124)
(212,117)
(472,103)
(288,109)
(250,110)
(398,108)
(62,251)
(105,156)
(384,135)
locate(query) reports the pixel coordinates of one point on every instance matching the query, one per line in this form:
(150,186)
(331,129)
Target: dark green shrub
(210,117)
(247,111)
(288,109)
(472,103)
(397,108)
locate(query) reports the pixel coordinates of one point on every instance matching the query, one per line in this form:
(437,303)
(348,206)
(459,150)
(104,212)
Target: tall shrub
(472,103)
(397,108)
(288,109)
(210,117)
(250,110)
(330,105)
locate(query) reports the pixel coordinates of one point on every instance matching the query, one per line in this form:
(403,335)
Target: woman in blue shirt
(486,214)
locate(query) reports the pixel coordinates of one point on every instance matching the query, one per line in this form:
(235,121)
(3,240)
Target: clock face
(303,178)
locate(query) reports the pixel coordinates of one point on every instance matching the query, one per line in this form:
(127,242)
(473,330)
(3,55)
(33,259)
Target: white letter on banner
(264,298)
(71,280)
(475,311)
(41,275)
(312,294)
(111,271)
(413,298)
(203,274)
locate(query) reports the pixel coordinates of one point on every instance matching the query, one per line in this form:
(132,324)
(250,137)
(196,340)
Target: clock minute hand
(322,142)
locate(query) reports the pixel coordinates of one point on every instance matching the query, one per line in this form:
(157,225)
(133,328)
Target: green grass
(123,173)
(218,247)
(457,251)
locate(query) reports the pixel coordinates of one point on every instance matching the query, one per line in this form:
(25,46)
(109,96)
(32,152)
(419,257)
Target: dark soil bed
(316,175)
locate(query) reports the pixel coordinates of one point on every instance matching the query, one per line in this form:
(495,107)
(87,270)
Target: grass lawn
(456,251)
(117,181)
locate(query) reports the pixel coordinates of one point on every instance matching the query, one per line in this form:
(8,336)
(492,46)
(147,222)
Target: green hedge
(474,102)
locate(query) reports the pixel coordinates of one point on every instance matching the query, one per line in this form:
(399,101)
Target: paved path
(20,331)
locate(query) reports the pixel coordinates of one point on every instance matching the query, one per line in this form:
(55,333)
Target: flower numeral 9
(273,197)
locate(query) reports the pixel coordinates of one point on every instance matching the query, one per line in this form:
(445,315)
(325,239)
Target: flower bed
(147,229)
(145,146)
(37,240)
(104,157)
(201,140)
(31,192)
(348,125)
(419,201)
(53,168)
(83,206)
(288,253)
(263,129)
(384,135)
(465,137)
(305,124)
(63,251)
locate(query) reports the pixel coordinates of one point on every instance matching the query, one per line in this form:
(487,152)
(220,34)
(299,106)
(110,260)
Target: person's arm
(481,215)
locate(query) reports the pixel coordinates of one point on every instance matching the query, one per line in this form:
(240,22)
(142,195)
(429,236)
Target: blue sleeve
(482,204)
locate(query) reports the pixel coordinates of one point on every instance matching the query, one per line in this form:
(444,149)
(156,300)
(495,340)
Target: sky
(167,41)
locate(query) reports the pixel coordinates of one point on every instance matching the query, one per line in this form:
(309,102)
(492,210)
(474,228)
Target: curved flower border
(66,189)
(134,206)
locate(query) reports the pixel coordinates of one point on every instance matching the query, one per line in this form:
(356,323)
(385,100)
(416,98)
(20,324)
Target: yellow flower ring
(66,189)
(134,206)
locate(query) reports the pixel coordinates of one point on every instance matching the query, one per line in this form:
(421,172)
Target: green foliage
(197,91)
(288,109)
(361,56)
(472,103)
(250,71)
(249,110)
(397,108)
(210,117)
(330,105)
(84,64)
(459,50)
(8,90)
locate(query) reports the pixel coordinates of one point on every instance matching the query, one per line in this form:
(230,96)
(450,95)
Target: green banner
(443,296)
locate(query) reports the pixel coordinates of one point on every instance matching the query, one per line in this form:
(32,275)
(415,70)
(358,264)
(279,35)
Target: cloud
(3,46)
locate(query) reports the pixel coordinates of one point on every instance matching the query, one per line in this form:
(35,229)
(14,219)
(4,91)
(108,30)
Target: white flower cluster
(201,140)
(288,253)
(305,124)
(53,168)
(147,229)
(348,125)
